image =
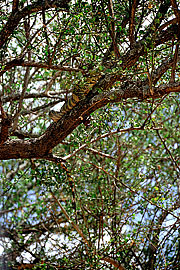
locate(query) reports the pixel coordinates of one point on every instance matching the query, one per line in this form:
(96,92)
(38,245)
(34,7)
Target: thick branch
(41,147)
(57,132)
(132,90)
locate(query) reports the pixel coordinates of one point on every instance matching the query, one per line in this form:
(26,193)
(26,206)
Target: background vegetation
(100,188)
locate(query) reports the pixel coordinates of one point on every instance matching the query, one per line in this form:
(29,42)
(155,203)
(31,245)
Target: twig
(159,103)
(172,80)
(104,136)
(75,226)
(169,152)
(131,189)
(132,23)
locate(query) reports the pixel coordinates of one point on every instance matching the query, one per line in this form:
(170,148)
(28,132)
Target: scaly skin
(78,95)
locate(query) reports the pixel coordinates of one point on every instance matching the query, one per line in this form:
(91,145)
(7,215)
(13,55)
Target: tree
(98,188)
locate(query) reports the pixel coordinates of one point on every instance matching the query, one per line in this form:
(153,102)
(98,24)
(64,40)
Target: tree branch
(40,147)
(21,63)
(132,22)
(176,10)
(16,17)
(15,5)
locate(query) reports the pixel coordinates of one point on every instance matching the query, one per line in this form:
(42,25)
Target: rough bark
(57,132)
(41,147)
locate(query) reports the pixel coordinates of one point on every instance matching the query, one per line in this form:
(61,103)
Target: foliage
(99,189)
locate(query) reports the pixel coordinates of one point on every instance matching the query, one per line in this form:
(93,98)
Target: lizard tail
(71,102)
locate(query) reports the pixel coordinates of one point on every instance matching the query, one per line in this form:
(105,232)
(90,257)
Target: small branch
(26,47)
(15,5)
(16,17)
(5,125)
(14,97)
(158,18)
(45,33)
(130,89)
(96,152)
(176,10)
(21,63)
(52,81)
(172,80)
(173,21)
(101,137)
(9,65)
(168,151)
(26,78)
(132,190)
(45,107)
(112,30)
(158,104)
(16,116)
(149,77)
(78,230)
(75,226)
(159,72)
(113,262)
(58,42)
(132,22)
